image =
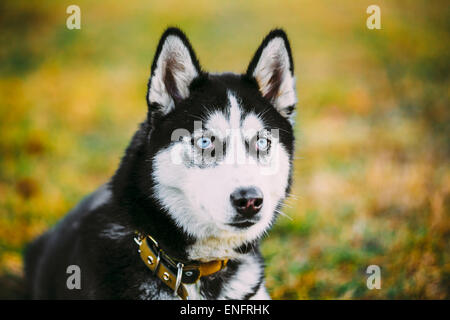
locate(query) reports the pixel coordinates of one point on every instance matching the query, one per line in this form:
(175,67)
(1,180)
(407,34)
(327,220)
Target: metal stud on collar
(166,276)
(138,240)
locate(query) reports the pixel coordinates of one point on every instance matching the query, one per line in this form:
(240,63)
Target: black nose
(247,201)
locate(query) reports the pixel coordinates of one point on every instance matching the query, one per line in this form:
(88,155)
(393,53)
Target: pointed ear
(174,68)
(273,70)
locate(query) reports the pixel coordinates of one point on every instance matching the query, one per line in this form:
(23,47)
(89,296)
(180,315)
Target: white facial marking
(251,125)
(198,197)
(236,152)
(218,123)
(235,112)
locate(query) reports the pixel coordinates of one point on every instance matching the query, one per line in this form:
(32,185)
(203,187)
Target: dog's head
(221,145)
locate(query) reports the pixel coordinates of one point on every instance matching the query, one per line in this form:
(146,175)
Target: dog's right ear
(174,68)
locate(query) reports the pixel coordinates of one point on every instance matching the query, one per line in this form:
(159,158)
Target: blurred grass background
(372,178)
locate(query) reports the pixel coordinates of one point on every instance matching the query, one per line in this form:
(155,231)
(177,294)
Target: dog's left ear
(273,70)
(174,68)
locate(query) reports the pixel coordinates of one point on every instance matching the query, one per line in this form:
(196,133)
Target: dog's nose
(247,201)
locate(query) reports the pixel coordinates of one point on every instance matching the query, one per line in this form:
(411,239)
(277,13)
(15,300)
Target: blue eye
(262,144)
(204,143)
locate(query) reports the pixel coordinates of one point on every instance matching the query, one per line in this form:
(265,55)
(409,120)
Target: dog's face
(221,146)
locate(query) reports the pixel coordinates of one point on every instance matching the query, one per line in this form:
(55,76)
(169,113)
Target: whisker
(264,112)
(284,215)
(284,130)
(287,206)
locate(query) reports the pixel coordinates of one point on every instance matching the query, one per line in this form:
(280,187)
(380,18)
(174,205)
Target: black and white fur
(160,190)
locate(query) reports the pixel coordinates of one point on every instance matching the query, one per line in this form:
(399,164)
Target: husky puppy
(203,178)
